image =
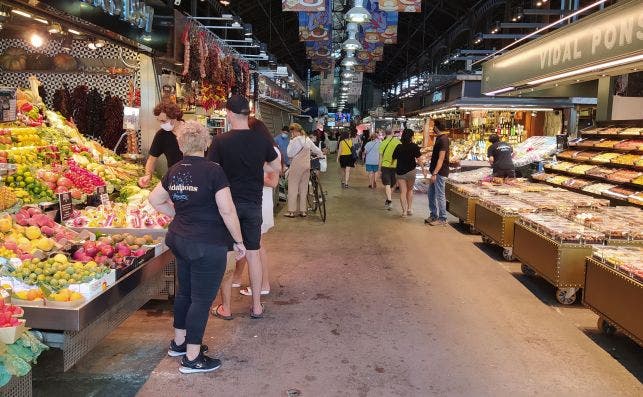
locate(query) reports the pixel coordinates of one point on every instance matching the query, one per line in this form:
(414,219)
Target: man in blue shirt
(282,140)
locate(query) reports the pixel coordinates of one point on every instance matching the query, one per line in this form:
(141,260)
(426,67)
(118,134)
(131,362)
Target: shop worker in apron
(170,118)
(500,158)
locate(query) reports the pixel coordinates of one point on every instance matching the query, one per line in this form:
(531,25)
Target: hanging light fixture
(358,14)
(36,40)
(352,43)
(349,60)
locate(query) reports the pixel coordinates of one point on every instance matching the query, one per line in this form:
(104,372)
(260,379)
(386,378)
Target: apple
(107,250)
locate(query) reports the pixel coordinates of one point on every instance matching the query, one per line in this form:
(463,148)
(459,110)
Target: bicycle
(316,196)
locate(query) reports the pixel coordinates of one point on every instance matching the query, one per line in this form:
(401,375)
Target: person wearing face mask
(282,140)
(170,118)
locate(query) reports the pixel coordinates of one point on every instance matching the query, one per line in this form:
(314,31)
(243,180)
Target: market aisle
(372,305)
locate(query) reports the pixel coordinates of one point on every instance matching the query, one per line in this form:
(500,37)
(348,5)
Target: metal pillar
(605,98)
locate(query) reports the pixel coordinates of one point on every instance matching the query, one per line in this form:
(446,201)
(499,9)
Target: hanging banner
(382,27)
(401,5)
(303,5)
(318,49)
(319,65)
(371,52)
(315,26)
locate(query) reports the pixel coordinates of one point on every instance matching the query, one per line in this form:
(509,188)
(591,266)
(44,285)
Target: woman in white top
(299,150)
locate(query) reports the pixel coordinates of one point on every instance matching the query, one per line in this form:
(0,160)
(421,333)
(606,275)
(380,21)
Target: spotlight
(21,13)
(43,21)
(224,2)
(72,31)
(36,40)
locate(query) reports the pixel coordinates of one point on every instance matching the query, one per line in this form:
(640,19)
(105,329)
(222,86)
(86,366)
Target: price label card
(101,193)
(65,206)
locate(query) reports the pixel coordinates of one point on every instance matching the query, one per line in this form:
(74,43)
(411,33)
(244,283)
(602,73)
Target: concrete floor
(370,304)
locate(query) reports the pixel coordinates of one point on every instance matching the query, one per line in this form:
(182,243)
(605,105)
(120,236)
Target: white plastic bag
(323,164)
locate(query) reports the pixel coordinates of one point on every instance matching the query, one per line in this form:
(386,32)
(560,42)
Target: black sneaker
(388,205)
(202,363)
(176,351)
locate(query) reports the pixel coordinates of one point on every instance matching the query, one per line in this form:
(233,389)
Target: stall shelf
(83,328)
(561,264)
(612,294)
(18,386)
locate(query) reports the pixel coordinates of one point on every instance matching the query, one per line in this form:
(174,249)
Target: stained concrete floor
(370,304)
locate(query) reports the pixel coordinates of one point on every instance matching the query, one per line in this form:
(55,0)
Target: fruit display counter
(79,278)
(614,289)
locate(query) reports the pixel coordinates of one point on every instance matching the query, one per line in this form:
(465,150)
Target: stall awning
(282,105)
(506,104)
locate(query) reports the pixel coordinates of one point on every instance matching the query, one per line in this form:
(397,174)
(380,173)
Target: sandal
(258,316)
(216,313)
(289,215)
(303,214)
(248,291)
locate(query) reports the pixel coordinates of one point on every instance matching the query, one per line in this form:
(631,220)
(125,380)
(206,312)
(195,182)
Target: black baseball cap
(238,104)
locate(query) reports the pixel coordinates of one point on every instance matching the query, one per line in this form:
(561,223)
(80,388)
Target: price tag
(65,206)
(101,193)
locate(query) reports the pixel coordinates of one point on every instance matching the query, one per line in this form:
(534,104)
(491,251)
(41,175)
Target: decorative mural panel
(382,28)
(303,5)
(401,5)
(315,26)
(318,49)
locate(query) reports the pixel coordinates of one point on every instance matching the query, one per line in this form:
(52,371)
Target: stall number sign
(8,109)
(65,206)
(101,193)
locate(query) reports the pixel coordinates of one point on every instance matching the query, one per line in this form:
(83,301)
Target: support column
(605,98)
(149,99)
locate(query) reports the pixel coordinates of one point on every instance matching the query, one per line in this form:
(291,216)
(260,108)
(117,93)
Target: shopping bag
(323,164)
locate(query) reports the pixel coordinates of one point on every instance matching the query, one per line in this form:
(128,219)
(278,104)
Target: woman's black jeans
(200,267)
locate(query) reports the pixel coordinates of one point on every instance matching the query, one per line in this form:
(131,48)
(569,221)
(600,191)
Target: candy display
(534,149)
(623,176)
(632,144)
(632,131)
(600,172)
(628,260)
(507,205)
(472,176)
(560,165)
(627,159)
(614,222)
(598,188)
(581,169)
(605,157)
(561,229)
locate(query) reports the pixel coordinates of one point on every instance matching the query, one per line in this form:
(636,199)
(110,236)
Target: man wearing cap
(282,140)
(500,154)
(244,154)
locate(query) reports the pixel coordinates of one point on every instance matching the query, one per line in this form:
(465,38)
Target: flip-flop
(216,313)
(258,316)
(248,291)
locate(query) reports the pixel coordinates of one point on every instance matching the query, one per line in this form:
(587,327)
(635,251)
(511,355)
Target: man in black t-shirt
(243,154)
(499,154)
(439,169)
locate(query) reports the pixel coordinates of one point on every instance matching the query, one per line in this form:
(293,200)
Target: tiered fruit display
(58,272)
(83,179)
(22,136)
(24,181)
(33,217)
(24,241)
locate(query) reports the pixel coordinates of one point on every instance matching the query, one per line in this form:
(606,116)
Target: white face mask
(167,126)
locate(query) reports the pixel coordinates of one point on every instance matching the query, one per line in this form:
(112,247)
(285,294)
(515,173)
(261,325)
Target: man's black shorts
(250,219)
(388,176)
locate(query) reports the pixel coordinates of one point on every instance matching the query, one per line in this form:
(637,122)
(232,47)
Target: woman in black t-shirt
(170,117)
(195,191)
(407,155)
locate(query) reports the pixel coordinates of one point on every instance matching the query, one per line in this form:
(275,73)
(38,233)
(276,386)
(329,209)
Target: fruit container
(23,302)
(9,335)
(65,305)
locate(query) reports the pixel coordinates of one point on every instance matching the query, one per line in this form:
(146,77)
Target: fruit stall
(81,248)
(613,286)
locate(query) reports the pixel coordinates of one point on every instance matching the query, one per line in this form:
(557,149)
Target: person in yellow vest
(345,157)
(387,165)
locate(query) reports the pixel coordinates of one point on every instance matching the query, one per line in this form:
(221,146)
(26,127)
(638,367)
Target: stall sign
(303,5)
(8,111)
(438,96)
(101,193)
(65,206)
(609,35)
(131,119)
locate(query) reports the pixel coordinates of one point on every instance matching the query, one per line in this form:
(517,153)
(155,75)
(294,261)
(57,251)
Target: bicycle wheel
(311,198)
(321,200)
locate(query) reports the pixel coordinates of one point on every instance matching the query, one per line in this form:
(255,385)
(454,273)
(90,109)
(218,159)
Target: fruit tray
(633,131)
(561,229)
(598,188)
(9,335)
(627,260)
(506,205)
(605,157)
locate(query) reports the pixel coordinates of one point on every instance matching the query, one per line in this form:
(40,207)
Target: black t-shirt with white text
(501,153)
(441,144)
(165,142)
(405,154)
(192,184)
(242,154)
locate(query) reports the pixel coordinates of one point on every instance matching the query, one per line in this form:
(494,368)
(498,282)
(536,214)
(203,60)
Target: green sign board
(606,37)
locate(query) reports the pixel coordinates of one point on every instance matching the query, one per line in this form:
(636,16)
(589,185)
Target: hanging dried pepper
(203,54)
(195,54)
(186,50)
